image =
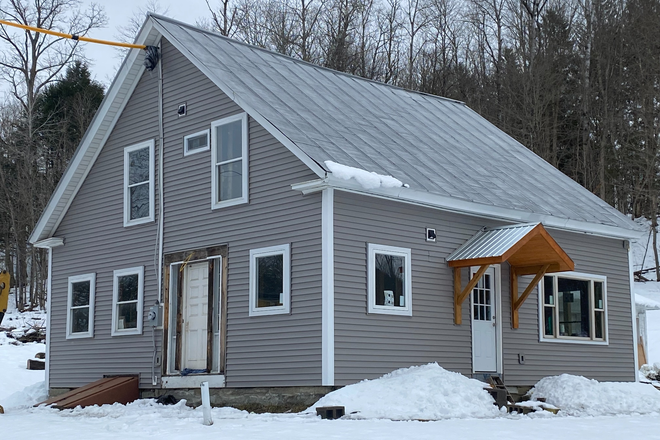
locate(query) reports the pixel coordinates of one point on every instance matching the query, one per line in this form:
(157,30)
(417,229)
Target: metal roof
(492,242)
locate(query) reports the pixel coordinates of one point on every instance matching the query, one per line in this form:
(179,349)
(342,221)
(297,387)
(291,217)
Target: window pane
(80,320)
(80,294)
(573,303)
(230,180)
(230,141)
(138,166)
(390,279)
(270,281)
(127,316)
(198,142)
(548,321)
(548,290)
(598,295)
(140,201)
(128,288)
(599,319)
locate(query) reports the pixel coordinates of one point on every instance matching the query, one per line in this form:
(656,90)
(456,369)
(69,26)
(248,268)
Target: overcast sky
(105,60)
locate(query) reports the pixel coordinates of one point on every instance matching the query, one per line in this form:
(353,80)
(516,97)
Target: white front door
(195,316)
(484,300)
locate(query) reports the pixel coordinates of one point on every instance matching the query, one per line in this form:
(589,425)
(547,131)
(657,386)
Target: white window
(196,142)
(80,306)
(573,308)
(229,161)
(127,301)
(389,280)
(270,280)
(139,163)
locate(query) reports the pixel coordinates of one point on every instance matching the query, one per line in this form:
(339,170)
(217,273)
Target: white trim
(187,151)
(285,251)
(244,162)
(444,203)
(372,250)
(91,277)
(49,298)
(327,289)
(139,271)
(127,194)
(633,312)
(194,381)
(497,316)
(572,339)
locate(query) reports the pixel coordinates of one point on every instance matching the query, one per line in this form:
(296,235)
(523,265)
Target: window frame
(187,151)
(139,271)
(372,307)
(127,194)
(285,308)
(580,276)
(215,204)
(91,277)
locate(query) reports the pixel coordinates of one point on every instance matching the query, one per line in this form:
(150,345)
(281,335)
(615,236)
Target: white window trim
(285,308)
(214,174)
(572,339)
(91,277)
(127,200)
(187,152)
(139,270)
(373,249)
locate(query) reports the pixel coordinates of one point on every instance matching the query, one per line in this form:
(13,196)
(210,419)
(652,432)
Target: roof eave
(423,198)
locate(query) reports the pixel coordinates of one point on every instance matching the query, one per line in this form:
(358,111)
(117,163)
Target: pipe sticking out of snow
(206,404)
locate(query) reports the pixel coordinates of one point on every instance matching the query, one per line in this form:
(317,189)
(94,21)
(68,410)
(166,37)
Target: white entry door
(484,323)
(195,316)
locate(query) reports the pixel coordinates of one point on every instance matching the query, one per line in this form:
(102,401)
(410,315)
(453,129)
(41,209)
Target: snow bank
(579,396)
(426,392)
(368,180)
(30,395)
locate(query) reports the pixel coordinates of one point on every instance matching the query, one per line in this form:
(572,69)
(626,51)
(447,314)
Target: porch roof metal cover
(491,242)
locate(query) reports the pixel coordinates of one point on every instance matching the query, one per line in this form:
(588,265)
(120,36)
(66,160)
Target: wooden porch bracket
(461,295)
(517,302)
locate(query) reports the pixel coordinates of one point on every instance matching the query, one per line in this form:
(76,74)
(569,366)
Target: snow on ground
(426,392)
(368,180)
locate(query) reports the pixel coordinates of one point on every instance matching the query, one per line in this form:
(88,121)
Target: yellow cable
(73,37)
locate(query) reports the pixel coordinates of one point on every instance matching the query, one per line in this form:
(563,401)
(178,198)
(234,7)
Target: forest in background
(576,81)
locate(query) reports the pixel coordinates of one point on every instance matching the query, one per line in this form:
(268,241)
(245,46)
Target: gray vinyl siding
(369,345)
(278,350)
(261,351)
(97,242)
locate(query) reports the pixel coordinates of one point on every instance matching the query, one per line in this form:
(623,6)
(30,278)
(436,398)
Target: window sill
(573,341)
(232,202)
(79,335)
(132,331)
(140,221)
(267,311)
(374,310)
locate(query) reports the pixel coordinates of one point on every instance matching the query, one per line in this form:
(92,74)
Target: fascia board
(450,204)
(45,226)
(250,110)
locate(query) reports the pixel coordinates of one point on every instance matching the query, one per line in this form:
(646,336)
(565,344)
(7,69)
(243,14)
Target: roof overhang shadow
(528,248)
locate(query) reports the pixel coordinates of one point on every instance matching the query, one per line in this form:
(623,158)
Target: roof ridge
(299,61)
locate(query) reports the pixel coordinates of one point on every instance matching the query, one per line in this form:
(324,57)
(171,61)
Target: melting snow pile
(579,396)
(368,180)
(427,392)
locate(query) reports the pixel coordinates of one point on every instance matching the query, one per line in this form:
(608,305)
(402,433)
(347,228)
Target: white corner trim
(372,307)
(139,271)
(49,298)
(633,312)
(214,380)
(285,308)
(245,158)
(327,289)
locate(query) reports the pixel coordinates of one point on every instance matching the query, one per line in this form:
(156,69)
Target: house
(642,305)
(243,218)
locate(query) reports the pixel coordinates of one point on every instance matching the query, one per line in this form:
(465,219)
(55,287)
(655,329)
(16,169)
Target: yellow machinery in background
(4,293)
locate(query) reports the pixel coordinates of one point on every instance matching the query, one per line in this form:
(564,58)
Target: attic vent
(151,57)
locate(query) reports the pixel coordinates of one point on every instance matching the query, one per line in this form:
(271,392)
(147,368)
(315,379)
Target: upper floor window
(80,306)
(196,142)
(574,307)
(389,283)
(229,139)
(139,164)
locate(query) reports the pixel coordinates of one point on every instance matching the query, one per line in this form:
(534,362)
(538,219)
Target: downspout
(633,311)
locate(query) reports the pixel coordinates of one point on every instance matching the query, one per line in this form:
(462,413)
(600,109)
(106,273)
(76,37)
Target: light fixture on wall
(430,234)
(182,110)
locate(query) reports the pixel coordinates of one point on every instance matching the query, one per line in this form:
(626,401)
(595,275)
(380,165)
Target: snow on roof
(646,303)
(368,180)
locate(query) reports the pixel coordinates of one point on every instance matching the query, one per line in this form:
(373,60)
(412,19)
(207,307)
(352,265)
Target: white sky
(105,60)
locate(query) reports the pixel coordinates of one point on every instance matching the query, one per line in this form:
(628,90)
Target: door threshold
(214,380)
